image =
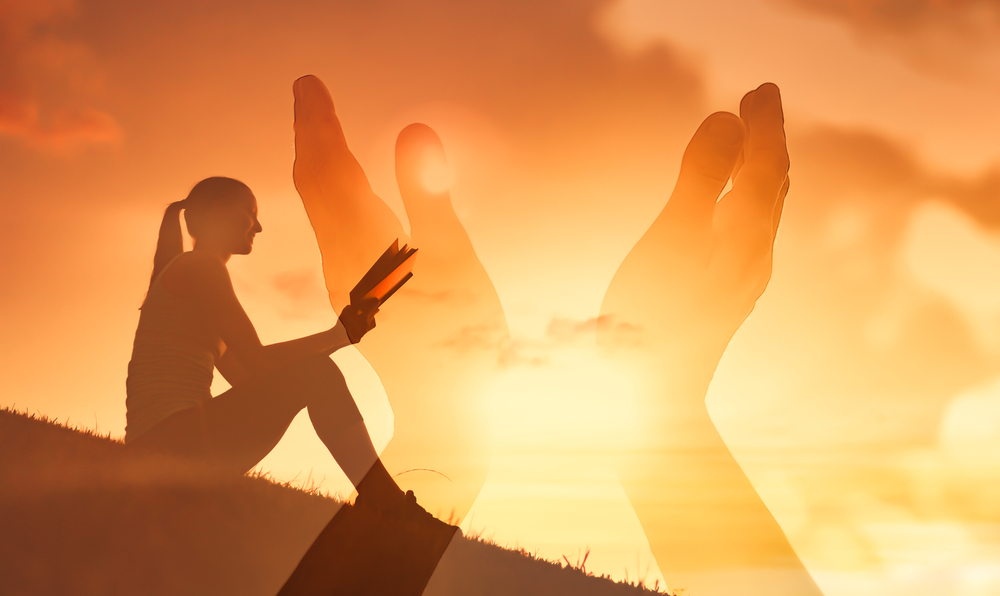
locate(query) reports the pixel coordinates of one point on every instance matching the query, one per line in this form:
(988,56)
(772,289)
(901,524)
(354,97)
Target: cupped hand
(442,336)
(352,224)
(670,311)
(691,280)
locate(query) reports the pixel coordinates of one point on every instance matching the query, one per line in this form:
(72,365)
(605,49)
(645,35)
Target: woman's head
(221,214)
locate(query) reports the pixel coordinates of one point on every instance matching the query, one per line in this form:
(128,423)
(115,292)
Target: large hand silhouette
(671,309)
(439,339)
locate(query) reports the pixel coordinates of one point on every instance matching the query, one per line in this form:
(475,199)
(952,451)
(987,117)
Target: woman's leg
(235,430)
(340,427)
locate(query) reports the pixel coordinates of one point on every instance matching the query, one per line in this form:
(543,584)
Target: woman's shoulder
(194,270)
(197,260)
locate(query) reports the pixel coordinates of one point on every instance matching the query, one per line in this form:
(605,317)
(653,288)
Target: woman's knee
(326,391)
(322,369)
(319,377)
(307,381)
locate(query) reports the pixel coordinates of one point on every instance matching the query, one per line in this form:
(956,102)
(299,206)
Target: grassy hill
(77,518)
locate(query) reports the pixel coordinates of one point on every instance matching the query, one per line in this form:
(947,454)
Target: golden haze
(860,397)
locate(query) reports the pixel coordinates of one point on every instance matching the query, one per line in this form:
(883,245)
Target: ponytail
(170,242)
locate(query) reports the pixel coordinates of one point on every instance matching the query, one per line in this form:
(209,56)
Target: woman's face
(244,223)
(234,224)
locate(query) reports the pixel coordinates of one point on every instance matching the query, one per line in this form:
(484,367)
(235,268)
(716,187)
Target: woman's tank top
(173,360)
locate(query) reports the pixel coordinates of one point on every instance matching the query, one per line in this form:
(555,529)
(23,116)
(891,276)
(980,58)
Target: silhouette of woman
(192,323)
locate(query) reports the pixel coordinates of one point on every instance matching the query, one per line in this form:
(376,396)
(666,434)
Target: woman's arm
(324,342)
(231,368)
(203,277)
(235,373)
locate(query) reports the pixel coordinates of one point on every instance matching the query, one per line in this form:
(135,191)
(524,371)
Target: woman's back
(173,359)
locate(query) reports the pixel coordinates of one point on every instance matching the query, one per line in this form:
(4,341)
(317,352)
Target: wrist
(338,336)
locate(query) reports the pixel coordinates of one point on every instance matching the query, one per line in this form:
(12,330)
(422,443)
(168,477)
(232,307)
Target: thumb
(424,180)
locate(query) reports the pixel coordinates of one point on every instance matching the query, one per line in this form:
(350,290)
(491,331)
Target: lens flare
(437,177)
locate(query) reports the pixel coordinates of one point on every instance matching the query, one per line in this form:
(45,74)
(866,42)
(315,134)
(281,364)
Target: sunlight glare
(437,176)
(577,403)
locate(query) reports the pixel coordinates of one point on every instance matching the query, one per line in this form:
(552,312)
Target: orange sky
(862,396)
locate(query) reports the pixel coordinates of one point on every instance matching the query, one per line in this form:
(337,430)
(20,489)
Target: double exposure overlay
(666,322)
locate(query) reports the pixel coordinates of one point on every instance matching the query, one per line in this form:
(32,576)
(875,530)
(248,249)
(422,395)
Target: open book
(387,275)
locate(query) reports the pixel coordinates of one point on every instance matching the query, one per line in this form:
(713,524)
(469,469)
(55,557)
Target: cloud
(565,335)
(297,285)
(907,16)
(17,16)
(49,85)
(539,70)
(59,130)
(474,338)
(570,331)
(831,162)
(940,36)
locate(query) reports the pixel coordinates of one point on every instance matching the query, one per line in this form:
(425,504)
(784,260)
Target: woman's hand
(359,319)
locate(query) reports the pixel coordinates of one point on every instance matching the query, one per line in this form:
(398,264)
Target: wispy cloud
(831,162)
(297,286)
(977,17)
(947,37)
(49,83)
(476,338)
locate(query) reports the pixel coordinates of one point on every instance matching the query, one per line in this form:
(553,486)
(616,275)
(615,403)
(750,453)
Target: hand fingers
(423,175)
(706,167)
(321,153)
(761,177)
(367,309)
(352,225)
(740,160)
(319,138)
(421,167)
(747,217)
(314,111)
(424,180)
(745,108)
(778,207)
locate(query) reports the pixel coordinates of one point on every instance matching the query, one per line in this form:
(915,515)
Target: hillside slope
(77,519)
